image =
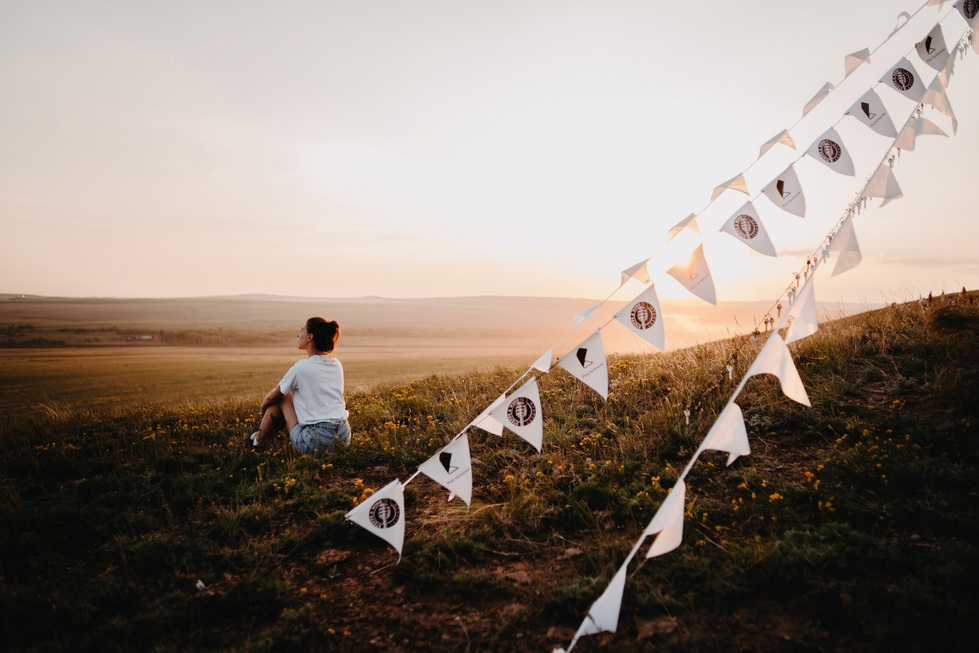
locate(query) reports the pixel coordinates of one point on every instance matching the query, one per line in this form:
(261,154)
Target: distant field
(111,353)
(113,378)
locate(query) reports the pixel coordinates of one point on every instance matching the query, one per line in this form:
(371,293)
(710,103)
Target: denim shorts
(313,438)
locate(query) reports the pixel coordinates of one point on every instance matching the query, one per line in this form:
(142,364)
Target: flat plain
(112,354)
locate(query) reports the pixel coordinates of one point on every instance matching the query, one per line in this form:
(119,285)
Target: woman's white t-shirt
(316,384)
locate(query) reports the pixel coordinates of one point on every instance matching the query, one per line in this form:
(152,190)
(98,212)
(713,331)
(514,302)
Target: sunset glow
(421,149)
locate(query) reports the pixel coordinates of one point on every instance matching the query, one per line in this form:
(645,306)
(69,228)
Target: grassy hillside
(853,524)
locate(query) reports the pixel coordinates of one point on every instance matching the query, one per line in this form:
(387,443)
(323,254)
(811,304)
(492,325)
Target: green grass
(853,524)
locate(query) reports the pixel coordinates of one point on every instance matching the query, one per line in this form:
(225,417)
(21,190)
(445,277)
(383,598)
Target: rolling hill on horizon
(530,324)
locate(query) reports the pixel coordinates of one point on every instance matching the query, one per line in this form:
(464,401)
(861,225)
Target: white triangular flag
(899,25)
(487,422)
(728,434)
(845,242)
(828,149)
(587,363)
(884,185)
(544,362)
(689,222)
(970,11)
(932,49)
(774,358)
(782,137)
(917,127)
(603,615)
(451,467)
(938,99)
(521,413)
(905,141)
(745,225)
(803,311)
(871,111)
(639,272)
(668,522)
(852,61)
(737,183)
(925,127)
(817,98)
(643,317)
(946,75)
(694,275)
(785,192)
(904,79)
(585,315)
(382,513)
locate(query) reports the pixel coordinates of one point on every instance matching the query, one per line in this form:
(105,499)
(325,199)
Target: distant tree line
(215,337)
(27,335)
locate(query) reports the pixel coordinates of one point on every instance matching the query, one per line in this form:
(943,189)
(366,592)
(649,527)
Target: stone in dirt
(660,626)
(330,557)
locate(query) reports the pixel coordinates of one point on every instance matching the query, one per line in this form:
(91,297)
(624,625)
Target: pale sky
(486,147)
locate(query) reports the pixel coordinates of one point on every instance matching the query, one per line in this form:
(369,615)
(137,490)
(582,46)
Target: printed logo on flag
(446,459)
(385,513)
(902,79)
(746,227)
(521,411)
(970,8)
(643,316)
(928,47)
(780,187)
(830,150)
(871,111)
(582,356)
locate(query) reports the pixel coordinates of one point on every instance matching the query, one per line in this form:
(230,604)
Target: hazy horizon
(520,326)
(300,298)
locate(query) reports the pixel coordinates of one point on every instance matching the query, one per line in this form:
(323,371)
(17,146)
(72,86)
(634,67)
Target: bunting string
(775,359)
(519,408)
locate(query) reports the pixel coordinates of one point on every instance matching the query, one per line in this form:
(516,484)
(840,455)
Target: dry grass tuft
(953,320)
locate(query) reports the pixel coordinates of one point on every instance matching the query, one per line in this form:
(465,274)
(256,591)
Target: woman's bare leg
(276,416)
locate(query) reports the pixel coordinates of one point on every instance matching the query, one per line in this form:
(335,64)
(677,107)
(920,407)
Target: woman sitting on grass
(309,398)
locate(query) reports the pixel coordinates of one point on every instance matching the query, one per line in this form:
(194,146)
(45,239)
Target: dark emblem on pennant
(385,513)
(865,107)
(446,459)
(582,355)
(780,187)
(928,47)
(521,411)
(970,8)
(830,150)
(643,315)
(746,227)
(903,79)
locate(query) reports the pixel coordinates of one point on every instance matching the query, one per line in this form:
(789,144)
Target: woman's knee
(274,411)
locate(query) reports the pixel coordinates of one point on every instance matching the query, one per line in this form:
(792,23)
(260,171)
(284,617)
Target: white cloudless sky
(415,149)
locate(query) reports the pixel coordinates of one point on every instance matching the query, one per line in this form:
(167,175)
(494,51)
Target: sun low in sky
(412,149)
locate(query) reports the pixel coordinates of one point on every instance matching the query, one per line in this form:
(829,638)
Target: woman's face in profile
(302,338)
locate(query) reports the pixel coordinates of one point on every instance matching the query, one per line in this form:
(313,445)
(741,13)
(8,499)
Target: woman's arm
(271,399)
